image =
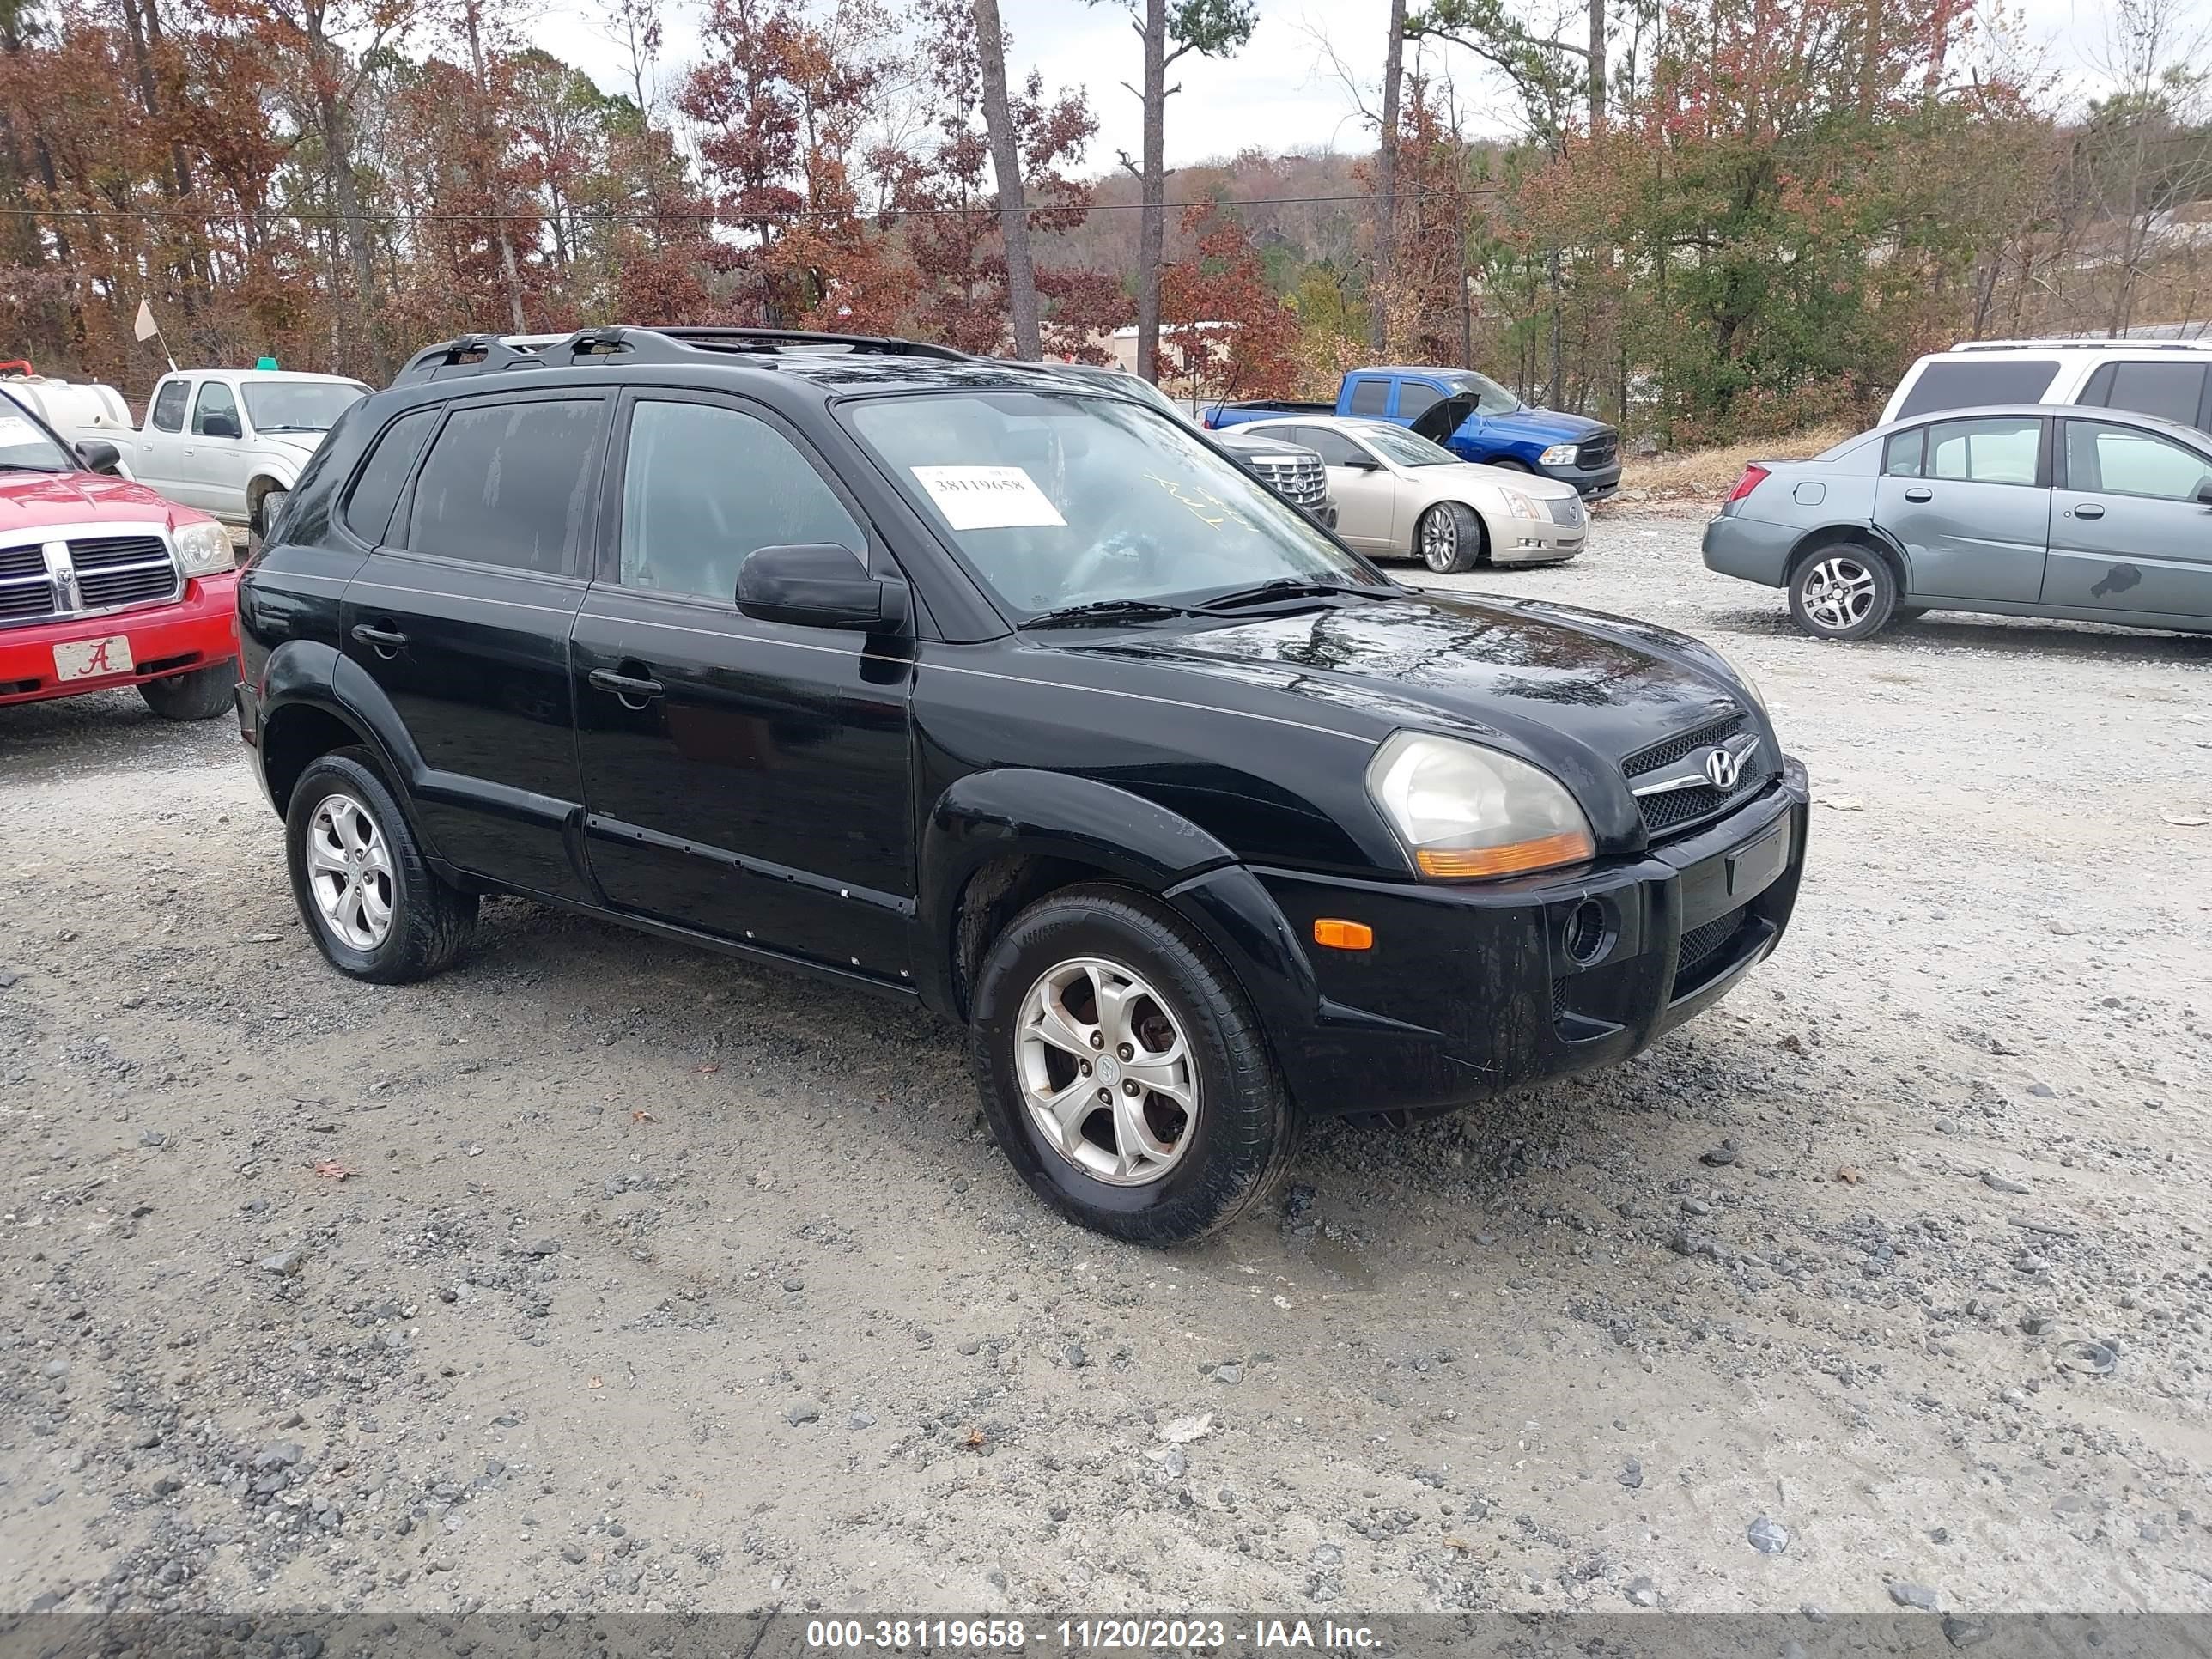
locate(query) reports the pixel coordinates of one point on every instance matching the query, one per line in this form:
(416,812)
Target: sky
(1280,93)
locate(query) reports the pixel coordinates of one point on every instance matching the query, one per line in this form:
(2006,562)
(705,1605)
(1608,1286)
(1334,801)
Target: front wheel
(266,513)
(199,695)
(1449,538)
(377,910)
(1123,1073)
(1843,591)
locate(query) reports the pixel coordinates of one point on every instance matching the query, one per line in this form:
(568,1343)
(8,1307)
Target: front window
(24,445)
(299,405)
(1056,499)
(1394,443)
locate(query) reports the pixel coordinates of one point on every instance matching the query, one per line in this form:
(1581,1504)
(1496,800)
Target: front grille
(1700,942)
(1677,809)
(111,571)
(1645,760)
(1566,511)
(1302,481)
(1599,451)
(16,561)
(143,584)
(27,593)
(101,552)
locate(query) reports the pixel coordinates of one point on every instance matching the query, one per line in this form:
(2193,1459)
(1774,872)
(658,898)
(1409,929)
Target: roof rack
(2122,344)
(486,353)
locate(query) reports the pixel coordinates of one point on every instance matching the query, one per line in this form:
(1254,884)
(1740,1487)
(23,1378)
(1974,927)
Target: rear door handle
(634,691)
(385,639)
(1919,493)
(2088,510)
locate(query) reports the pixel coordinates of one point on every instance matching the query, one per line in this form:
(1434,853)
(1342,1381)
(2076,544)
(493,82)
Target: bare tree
(1007,164)
(1386,178)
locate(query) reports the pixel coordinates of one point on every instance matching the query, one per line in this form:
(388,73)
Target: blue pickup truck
(1469,414)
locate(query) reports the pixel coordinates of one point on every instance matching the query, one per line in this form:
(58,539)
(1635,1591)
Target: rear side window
(2174,391)
(1968,384)
(376,491)
(2119,460)
(703,487)
(168,410)
(509,485)
(1414,399)
(1371,395)
(2001,451)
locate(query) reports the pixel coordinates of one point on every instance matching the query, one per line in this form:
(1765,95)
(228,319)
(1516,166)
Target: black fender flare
(311,674)
(1021,812)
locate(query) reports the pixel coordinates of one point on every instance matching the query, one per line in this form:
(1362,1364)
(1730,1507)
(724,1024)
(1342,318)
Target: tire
(1221,1157)
(1448,538)
(1843,591)
(429,924)
(1506,463)
(264,514)
(199,695)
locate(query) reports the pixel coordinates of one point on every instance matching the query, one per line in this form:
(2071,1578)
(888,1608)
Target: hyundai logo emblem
(1722,769)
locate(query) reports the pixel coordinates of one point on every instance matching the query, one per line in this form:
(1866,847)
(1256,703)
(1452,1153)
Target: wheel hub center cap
(1109,1071)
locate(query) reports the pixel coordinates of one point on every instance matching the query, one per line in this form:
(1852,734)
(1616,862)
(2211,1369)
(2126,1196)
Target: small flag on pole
(147,327)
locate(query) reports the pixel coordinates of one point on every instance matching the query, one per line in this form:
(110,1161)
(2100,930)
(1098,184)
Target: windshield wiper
(1289,588)
(1108,610)
(257,427)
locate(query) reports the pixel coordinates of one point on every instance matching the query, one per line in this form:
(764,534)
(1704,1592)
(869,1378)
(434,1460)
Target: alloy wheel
(1439,540)
(1839,592)
(1106,1072)
(349,872)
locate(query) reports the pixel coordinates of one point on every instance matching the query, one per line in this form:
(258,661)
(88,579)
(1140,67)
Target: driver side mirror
(98,455)
(2204,492)
(1364,464)
(218,424)
(818,585)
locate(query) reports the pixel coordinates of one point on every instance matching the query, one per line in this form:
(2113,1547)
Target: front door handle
(1919,493)
(2088,510)
(635,690)
(384,639)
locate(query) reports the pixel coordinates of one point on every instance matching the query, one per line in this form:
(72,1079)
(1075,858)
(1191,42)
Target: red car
(105,583)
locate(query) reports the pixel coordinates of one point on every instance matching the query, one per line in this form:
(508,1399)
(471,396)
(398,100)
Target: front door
(2128,530)
(748,778)
(1971,502)
(461,618)
(215,453)
(1365,492)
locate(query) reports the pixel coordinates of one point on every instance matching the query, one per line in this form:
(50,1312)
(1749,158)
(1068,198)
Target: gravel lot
(661,1282)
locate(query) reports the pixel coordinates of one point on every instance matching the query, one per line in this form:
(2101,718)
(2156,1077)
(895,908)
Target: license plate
(1752,870)
(84,659)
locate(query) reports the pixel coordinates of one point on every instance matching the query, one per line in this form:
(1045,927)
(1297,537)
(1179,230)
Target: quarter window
(1371,395)
(509,485)
(376,491)
(2173,392)
(1998,450)
(214,398)
(1902,457)
(168,410)
(703,487)
(2119,460)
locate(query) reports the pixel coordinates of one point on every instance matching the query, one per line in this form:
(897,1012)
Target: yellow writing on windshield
(1205,506)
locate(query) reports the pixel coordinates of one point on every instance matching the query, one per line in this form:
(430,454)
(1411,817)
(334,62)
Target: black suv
(1016,699)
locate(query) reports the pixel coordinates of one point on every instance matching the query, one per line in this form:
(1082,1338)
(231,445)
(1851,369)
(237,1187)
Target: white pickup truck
(231,442)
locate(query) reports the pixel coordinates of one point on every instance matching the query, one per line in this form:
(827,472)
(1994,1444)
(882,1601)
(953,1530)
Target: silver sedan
(1399,494)
(2085,513)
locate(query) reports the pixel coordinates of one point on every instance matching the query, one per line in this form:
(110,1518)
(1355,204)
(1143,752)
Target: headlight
(1519,505)
(1560,455)
(1748,683)
(203,549)
(1463,811)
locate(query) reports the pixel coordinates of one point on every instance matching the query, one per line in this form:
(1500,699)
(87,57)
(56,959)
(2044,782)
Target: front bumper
(193,630)
(1470,991)
(1593,483)
(1518,541)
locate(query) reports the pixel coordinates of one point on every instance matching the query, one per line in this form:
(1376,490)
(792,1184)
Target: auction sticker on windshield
(80,660)
(987,497)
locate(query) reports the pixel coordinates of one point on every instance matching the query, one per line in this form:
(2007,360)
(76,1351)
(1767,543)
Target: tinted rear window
(2174,391)
(1371,395)
(1972,385)
(376,491)
(508,485)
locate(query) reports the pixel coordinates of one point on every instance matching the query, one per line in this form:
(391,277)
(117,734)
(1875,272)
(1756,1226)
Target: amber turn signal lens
(1544,853)
(1343,935)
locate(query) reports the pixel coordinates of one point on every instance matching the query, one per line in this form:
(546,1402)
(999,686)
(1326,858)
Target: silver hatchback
(2084,514)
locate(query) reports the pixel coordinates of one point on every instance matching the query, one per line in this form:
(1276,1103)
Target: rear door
(748,778)
(158,462)
(1971,502)
(2129,531)
(461,616)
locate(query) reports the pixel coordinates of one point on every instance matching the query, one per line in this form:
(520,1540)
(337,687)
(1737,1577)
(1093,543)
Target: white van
(2167,378)
(231,442)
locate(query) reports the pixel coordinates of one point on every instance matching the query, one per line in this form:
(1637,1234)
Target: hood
(1575,692)
(32,501)
(1254,443)
(302,444)
(1551,425)
(1440,484)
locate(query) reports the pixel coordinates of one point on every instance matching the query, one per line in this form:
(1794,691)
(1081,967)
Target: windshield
(24,445)
(1056,499)
(299,405)
(1394,443)
(1490,397)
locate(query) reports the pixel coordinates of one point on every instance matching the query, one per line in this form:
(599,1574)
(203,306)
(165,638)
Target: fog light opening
(1585,932)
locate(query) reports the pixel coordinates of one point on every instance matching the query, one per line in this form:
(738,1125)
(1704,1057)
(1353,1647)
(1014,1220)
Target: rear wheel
(1843,591)
(200,695)
(1449,538)
(1124,1074)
